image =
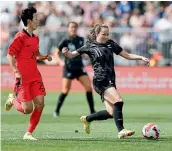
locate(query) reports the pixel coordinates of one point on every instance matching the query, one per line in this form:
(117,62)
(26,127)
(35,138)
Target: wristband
(47,56)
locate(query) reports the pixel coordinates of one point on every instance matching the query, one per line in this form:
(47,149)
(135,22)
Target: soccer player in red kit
(23,54)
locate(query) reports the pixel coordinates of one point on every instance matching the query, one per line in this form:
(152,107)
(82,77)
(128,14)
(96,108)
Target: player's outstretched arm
(133,56)
(69,54)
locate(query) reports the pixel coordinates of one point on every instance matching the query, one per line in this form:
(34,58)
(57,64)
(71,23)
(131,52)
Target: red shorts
(27,92)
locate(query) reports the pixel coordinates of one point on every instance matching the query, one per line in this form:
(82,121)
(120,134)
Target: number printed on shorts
(41,87)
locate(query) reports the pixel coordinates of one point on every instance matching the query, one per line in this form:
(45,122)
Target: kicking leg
(101,115)
(112,96)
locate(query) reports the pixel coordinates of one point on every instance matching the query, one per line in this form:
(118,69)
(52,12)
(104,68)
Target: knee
(28,110)
(39,106)
(65,90)
(110,112)
(88,88)
(110,109)
(119,99)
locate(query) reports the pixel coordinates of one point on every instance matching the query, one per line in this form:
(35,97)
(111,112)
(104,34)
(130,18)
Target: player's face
(34,22)
(102,36)
(72,29)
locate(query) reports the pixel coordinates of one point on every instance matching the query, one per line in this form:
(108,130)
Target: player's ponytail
(91,36)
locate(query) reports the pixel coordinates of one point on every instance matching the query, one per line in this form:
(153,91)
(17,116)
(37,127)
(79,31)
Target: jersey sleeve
(116,48)
(16,45)
(83,49)
(62,44)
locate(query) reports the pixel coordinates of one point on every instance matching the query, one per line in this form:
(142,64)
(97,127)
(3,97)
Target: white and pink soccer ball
(151,131)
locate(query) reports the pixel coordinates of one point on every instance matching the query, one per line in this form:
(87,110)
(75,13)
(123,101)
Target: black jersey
(72,43)
(102,59)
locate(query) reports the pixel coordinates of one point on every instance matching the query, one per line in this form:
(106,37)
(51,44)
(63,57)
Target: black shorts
(72,74)
(101,86)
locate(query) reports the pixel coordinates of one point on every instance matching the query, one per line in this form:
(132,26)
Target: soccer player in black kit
(100,49)
(73,68)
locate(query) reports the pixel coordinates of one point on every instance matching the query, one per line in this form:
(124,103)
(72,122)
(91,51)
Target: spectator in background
(164,29)
(5,18)
(137,20)
(116,14)
(150,14)
(53,23)
(97,19)
(109,10)
(125,7)
(5,33)
(110,21)
(127,42)
(4,43)
(124,21)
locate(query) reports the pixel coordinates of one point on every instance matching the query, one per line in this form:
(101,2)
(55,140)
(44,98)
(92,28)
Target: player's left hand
(146,60)
(49,58)
(65,50)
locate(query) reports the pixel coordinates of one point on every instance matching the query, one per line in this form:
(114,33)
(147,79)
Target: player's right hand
(49,58)
(65,49)
(17,75)
(146,60)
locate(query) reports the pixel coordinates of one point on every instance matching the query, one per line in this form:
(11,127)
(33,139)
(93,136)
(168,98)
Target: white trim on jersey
(98,52)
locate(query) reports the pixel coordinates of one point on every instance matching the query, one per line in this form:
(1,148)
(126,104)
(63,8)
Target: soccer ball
(151,131)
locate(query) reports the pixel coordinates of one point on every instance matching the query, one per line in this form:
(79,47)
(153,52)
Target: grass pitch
(56,134)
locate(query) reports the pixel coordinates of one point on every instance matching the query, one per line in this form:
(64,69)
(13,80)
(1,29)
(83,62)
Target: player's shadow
(132,139)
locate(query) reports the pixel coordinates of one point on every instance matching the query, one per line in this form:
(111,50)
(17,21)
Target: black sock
(60,102)
(101,115)
(90,101)
(118,117)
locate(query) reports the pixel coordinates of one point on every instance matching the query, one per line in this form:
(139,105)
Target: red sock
(18,105)
(34,119)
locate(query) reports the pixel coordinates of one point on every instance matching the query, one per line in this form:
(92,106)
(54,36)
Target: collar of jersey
(28,33)
(96,43)
(101,44)
(70,37)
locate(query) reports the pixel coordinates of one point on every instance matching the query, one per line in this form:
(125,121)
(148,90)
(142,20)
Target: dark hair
(27,14)
(72,22)
(91,36)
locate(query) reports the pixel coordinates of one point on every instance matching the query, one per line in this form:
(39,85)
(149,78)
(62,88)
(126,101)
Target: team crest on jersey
(80,42)
(109,46)
(34,54)
(71,47)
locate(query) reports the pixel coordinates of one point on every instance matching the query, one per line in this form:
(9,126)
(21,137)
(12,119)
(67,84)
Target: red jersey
(25,48)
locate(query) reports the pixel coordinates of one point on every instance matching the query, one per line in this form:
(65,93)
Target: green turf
(57,134)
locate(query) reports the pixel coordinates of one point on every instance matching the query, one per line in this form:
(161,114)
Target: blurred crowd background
(142,27)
